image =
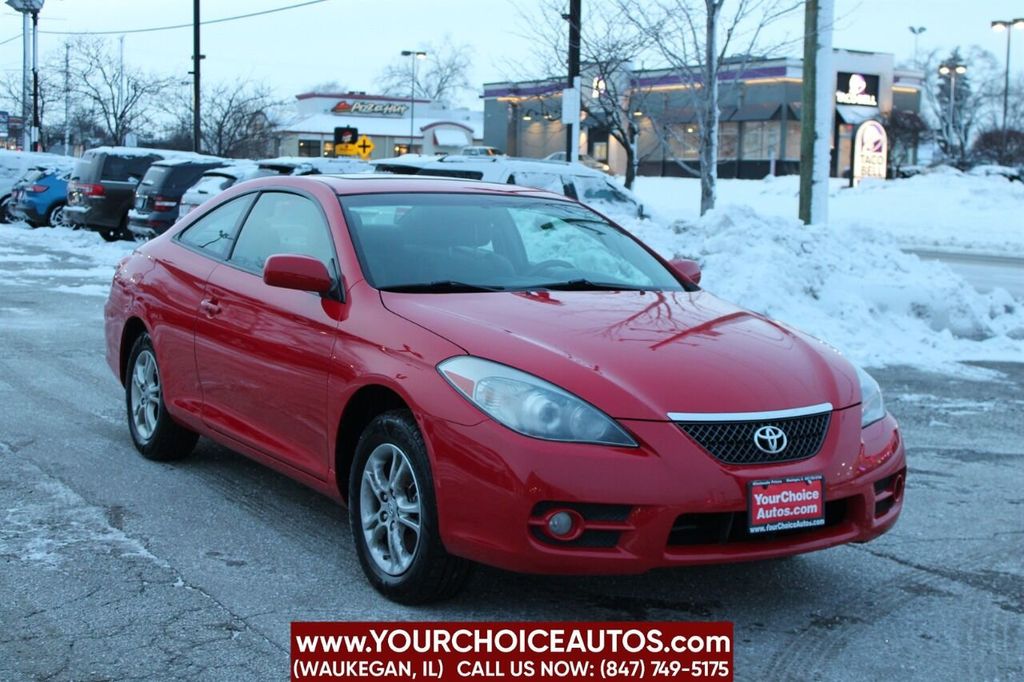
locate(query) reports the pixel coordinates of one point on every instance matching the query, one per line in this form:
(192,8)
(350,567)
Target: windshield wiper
(586,285)
(440,287)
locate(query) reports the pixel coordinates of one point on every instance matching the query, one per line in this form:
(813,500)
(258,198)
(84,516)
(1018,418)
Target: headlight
(872,408)
(530,405)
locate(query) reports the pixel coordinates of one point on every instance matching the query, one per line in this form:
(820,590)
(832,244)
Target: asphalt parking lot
(113,567)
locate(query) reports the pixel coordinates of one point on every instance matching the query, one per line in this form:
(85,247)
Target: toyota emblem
(770,439)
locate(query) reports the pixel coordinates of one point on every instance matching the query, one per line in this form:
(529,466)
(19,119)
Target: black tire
(167,440)
(55,218)
(110,235)
(433,574)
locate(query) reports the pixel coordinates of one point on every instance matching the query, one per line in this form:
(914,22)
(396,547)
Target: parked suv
(13,166)
(159,194)
(40,196)
(216,180)
(574,180)
(103,184)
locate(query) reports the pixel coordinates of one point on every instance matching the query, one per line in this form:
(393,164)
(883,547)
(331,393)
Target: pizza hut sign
(370,108)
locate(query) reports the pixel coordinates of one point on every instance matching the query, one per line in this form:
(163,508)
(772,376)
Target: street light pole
(414,55)
(951,71)
(917,31)
(1006,26)
(29,88)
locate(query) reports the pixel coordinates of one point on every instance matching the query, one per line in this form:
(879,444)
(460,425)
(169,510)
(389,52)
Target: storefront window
(792,140)
(760,140)
(684,140)
(728,140)
(328,149)
(309,147)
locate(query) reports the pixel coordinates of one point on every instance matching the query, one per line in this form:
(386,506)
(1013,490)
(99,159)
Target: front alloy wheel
(389,504)
(393,514)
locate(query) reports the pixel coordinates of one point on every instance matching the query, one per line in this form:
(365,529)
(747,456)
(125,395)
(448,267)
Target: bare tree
(441,77)
(973,104)
(694,37)
(122,99)
(609,48)
(51,94)
(235,118)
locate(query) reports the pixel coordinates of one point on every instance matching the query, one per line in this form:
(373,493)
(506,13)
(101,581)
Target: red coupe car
(494,374)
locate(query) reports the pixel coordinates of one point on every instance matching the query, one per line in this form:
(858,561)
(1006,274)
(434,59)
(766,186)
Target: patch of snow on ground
(850,287)
(943,209)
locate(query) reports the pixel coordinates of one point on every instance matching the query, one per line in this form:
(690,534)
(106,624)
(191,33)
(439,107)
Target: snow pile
(851,287)
(942,209)
(59,258)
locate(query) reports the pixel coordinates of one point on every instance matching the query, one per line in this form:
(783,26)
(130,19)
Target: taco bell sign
(870,152)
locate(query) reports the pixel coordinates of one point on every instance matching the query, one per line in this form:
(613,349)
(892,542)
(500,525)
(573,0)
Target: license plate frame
(785,503)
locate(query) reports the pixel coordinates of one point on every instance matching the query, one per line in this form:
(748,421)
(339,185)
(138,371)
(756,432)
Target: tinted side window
(215,231)
(282,223)
(122,168)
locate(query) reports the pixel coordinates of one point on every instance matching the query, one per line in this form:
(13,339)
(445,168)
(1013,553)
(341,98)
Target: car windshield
(448,243)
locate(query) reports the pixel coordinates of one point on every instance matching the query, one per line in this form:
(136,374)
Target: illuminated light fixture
(638,113)
(527,116)
(961,69)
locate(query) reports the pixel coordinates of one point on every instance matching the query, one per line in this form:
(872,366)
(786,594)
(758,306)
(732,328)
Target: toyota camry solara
(493,374)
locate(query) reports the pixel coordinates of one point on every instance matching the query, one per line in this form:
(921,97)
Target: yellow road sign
(346,150)
(364,147)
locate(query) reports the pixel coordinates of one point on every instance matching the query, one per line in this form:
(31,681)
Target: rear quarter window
(124,168)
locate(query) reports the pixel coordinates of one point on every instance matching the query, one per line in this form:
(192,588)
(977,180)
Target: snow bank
(943,209)
(850,286)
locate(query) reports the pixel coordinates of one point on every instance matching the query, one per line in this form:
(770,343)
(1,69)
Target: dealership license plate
(786,503)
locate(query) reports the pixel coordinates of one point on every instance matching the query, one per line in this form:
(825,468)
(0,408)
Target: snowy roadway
(113,567)
(984,272)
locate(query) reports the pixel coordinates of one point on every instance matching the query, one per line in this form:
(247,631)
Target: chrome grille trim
(702,417)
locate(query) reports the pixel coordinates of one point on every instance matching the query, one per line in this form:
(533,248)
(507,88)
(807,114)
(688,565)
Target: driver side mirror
(689,269)
(303,273)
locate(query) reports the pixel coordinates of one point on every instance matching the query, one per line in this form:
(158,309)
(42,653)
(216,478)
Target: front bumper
(666,503)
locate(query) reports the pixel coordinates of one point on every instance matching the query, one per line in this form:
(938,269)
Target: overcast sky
(350,40)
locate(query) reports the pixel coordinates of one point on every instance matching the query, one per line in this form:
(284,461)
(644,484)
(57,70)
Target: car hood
(641,355)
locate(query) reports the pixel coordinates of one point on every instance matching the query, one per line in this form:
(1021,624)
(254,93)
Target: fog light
(560,524)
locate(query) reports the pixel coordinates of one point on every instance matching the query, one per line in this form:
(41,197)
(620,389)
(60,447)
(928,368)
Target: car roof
(387,183)
(489,163)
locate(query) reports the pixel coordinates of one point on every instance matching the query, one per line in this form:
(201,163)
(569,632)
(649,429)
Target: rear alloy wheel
(5,210)
(155,434)
(393,515)
(56,217)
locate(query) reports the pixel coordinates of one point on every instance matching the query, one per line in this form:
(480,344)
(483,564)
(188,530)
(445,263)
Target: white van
(574,180)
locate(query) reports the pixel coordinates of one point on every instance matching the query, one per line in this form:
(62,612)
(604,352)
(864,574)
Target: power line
(176,26)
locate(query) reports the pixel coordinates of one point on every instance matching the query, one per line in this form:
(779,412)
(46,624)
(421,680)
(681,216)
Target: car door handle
(210,307)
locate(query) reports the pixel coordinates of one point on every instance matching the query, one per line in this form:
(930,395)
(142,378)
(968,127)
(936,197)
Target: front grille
(733,442)
(723,528)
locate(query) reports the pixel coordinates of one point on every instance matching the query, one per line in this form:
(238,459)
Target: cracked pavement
(114,567)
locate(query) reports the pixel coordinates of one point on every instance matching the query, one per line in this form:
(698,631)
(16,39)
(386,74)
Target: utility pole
(816,114)
(196,57)
(36,145)
(26,89)
(575,17)
(67,99)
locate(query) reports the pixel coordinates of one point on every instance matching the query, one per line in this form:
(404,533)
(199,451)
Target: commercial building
(394,125)
(760,103)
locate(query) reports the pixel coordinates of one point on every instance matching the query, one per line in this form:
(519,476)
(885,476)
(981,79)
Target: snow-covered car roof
(320,164)
(195,158)
(590,186)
